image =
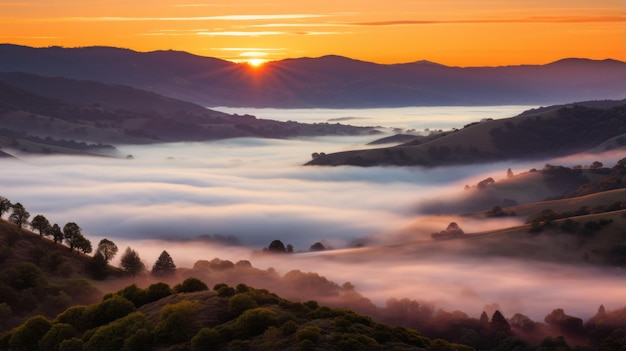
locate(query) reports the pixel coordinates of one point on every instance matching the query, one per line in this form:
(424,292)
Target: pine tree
(164,265)
(131,262)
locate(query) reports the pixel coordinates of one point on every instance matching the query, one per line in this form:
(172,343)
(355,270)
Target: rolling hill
(328,81)
(549,132)
(60,115)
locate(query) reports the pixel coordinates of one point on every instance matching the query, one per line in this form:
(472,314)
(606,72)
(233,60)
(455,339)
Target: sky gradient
(451,32)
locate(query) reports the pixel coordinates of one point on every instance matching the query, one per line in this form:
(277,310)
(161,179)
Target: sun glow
(256,62)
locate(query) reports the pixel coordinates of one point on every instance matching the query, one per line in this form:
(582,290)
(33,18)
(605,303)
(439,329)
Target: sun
(256,62)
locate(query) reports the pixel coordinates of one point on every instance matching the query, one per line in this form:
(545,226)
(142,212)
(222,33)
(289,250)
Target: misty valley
(223,202)
(134,221)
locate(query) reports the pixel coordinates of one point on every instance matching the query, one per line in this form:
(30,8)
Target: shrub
(27,336)
(191,285)
(73,344)
(140,341)
(56,335)
(178,322)
(311,333)
(207,339)
(254,322)
(113,335)
(157,291)
(240,303)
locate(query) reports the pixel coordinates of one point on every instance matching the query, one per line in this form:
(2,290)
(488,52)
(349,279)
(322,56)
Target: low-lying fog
(257,190)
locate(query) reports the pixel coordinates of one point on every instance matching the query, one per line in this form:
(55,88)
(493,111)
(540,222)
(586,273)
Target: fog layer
(256,191)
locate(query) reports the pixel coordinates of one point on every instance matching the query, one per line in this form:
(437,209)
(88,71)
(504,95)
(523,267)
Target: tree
(509,173)
(98,266)
(317,247)
(107,248)
(40,223)
(56,233)
(277,246)
(71,232)
(5,205)
(19,215)
(131,263)
(499,324)
(164,265)
(83,244)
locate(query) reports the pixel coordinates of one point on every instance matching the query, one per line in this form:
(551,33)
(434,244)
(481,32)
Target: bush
(27,336)
(23,276)
(73,344)
(207,339)
(191,285)
(178,322)
(311,333)
(140,341)
(107,311)
(254,322)
(240,303)
(157,291)
(56,335)
(113,335)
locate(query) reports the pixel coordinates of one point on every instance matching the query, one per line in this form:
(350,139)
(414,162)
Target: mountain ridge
(329,81)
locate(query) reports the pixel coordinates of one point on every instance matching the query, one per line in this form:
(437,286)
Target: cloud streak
(533,19)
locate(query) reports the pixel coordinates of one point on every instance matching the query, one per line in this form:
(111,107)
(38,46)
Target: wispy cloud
(197,18)
(241,34)
(533,19)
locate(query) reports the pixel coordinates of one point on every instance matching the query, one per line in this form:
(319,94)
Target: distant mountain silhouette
(328,81)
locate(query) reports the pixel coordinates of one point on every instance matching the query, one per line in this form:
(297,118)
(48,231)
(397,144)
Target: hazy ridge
(328,81)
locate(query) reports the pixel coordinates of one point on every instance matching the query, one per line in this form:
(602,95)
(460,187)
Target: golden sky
(451,32)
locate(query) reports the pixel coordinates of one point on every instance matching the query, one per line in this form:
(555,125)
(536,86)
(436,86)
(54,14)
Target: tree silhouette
(164,265)
(19,215)
(317,247)
(72,234)
(40,223)
(5,205)
(107,248)
(98,266)
(499,324)
(277,246)
(56,233)
(131,263)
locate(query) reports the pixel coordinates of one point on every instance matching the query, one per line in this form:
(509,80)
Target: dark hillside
(38,276)
(551,133)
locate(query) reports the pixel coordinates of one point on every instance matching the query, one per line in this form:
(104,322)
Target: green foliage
(190,285)
(134,294)
(240,303)
(113,335)
(72,316)
(226,291)
(23,276)
(140,341)
(80,290)
(157,291)
(207,339)
(311,333)
(254,322)
(73,344)
(57,333)
(107,311)
(27,336)
(178,322)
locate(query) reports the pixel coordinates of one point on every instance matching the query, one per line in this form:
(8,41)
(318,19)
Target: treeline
(188,316)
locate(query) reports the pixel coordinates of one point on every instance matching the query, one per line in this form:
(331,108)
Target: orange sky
(451,32)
